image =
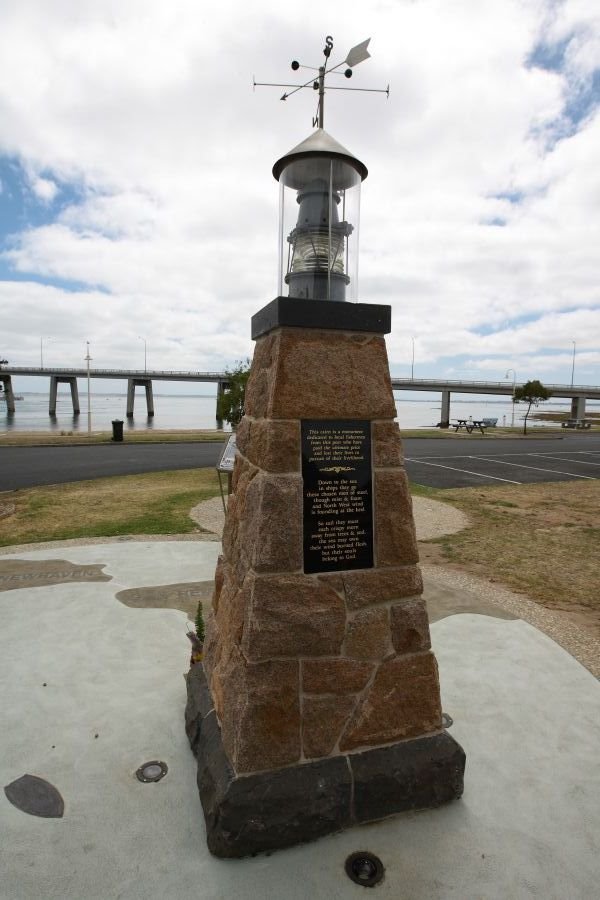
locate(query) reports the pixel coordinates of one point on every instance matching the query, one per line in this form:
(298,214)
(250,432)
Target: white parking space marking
(465,471)
(578,462)
(502,455)
(502,462)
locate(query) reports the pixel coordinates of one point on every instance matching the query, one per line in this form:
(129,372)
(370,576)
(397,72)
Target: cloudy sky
(137,200)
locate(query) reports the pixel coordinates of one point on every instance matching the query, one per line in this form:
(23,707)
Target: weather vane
(357,55)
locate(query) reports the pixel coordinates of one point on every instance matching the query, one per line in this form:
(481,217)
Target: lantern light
(319,218)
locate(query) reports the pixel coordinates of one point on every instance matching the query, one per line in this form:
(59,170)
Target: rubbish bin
(117,429)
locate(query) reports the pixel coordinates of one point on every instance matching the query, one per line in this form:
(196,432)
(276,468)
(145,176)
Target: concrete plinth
(146,383)
(318,672)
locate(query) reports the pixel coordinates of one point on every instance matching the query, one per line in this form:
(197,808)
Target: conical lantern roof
(298,166)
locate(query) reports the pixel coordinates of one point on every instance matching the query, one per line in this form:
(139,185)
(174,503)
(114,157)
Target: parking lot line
(503,455)
(501,462)
(578,462)
(465,471)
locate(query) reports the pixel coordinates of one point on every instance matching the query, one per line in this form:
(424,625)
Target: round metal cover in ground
(364,868)
(152,771)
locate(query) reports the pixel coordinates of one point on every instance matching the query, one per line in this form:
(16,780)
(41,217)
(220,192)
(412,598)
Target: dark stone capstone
(339,315)
(270,810)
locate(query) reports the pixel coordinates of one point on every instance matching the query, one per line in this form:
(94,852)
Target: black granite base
(332,314)
(270,810)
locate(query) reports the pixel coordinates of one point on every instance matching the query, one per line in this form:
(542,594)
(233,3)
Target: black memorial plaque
(337,495)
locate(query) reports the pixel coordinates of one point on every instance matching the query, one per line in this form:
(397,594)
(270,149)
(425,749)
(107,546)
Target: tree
(230,404)
(533,393)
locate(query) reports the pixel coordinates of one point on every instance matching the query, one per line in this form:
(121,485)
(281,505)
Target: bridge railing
(436,383)
(505,385)
(117,373)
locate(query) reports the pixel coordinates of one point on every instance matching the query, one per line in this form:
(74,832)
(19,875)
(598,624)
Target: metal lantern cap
(297,167)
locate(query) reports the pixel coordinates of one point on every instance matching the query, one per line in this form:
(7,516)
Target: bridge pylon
(578,408)
(55,380)
(9,395)
(146,383)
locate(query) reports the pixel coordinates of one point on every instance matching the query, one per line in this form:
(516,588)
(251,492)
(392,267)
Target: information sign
(227,460)
(337,495)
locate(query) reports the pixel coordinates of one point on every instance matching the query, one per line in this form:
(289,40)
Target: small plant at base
(200,623)
(197,639)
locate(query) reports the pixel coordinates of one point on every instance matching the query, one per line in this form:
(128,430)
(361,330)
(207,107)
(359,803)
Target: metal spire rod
(367,90)
(356,55)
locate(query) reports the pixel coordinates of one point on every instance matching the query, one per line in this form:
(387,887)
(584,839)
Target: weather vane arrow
(356,55)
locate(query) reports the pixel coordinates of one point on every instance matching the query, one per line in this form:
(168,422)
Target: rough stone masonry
(326,675)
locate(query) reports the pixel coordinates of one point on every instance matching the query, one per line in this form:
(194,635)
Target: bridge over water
(577,393)
(134,377)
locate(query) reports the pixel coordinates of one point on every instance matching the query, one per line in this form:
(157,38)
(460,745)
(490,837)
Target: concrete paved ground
(93,688)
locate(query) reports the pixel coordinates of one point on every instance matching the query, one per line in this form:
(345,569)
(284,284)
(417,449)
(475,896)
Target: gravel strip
(571,637)
(432,518)
(209,514)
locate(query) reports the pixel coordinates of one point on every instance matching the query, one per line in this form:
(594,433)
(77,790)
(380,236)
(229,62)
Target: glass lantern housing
(319,211)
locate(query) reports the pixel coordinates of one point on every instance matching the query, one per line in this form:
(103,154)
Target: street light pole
(514,374)
(88,360)
(573,366)
(412,365)
(42,351)
(144,340)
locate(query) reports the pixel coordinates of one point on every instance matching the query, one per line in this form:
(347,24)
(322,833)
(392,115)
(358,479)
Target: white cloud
(44,189)
(146,109)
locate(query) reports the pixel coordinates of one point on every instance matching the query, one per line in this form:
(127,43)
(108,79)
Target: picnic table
(576,423)
(468,425)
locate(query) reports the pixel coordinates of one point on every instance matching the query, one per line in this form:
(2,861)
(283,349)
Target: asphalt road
(437,463)
(28,466)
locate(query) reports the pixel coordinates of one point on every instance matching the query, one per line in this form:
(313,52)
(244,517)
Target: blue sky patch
(550,57)
(7,274)
(21,209)
(513,197)
(581,97)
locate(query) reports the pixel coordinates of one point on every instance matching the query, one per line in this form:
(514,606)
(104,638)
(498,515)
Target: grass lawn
(538,539)
(153,503)
(68,438)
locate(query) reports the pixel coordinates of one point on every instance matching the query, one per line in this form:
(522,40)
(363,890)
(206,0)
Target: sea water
(197,411)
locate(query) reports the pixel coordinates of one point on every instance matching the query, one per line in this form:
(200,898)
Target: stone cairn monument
(317,706)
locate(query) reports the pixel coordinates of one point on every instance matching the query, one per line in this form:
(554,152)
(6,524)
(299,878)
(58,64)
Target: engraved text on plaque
(337,495)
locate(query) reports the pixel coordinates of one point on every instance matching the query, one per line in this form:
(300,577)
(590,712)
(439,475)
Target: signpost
(225,465)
